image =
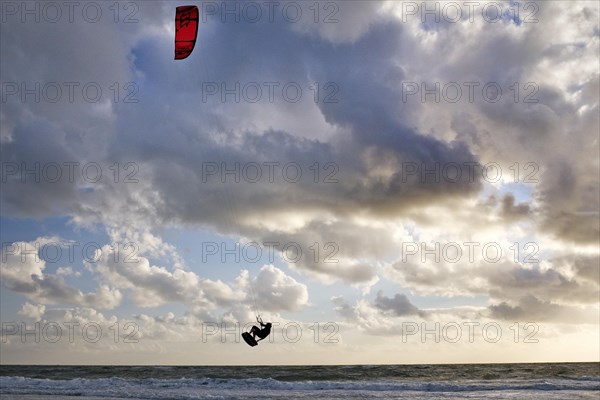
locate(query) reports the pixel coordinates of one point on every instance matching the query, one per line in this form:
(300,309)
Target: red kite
(186,30)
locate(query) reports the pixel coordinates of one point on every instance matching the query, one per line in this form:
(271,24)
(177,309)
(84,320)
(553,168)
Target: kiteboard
(249,339)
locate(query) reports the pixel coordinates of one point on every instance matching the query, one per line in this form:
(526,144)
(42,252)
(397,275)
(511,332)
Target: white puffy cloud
(151,285)
(277,291)
(22,271)
(34,311)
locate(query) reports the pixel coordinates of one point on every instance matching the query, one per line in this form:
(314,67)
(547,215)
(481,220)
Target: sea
(471,381)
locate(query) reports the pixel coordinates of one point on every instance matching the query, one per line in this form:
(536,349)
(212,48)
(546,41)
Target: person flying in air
(261,333)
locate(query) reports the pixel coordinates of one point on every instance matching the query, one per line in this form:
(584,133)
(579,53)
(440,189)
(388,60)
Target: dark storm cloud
(172,132)
(399,305)
(172,135)
(367,105)
(512,211)
(516,281)
(530,308)
(571,198)
(174,149)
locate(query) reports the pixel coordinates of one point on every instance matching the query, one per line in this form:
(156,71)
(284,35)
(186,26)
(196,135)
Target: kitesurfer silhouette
(261,333)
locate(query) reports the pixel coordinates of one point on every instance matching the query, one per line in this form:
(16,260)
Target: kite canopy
(186,30)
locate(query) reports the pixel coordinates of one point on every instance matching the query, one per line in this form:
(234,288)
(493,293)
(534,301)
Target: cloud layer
(350,173)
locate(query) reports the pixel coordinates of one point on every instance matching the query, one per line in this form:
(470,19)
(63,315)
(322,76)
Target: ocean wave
(106,387)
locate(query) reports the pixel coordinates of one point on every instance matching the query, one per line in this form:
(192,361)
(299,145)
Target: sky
(385,181)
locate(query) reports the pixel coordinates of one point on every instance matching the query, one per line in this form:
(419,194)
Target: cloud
(399,305)
(502,280)
(516,281)
(67,271)
(342,308)
(585,266)
(277,291)
(379,317)
(512,211)
(33,311)
(22,271)
(530,308)
(153,285)
(369,136)
(171,190)
(571,201)
(340,22)
(146,285)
